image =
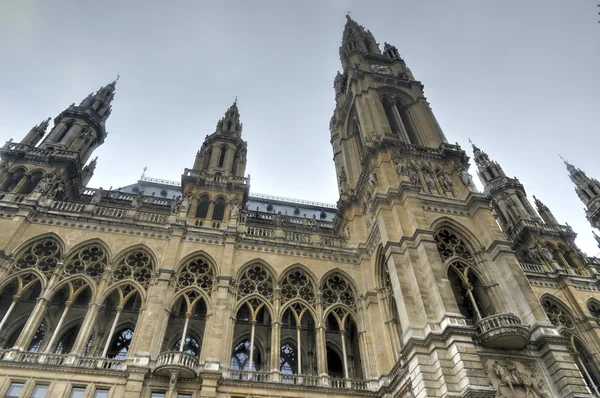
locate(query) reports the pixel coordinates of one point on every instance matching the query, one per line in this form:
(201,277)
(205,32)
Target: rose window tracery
(337,290)
(297,285)
(136,265)
(196,272)
(557,315)
(256,280)
(449,245)
(91,260)
(43,255)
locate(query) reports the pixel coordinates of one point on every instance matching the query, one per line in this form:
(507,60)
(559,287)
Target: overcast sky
(520,78)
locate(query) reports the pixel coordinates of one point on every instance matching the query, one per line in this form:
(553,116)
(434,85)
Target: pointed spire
(488,170)
(100,102)
(541,207)
(596,237)
(230,123)
(43,126)
(356,39)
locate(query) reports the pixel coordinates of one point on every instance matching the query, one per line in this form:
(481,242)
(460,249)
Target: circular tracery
(449,245)
(43,255)
(90,260)
(136,265)
(297,285)
(337,290)
(256,279)
(557,315)
(196,272)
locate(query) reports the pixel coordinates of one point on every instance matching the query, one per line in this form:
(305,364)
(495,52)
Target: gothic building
(413,285)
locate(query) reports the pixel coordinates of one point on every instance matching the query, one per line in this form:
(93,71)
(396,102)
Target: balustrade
(297,237)
(536,268)
(109,212)
(502,331)
(152,217)
(67,206)
(176,360)
(260,232)
(248,375)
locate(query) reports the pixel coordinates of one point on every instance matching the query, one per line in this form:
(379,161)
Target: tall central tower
(444,270)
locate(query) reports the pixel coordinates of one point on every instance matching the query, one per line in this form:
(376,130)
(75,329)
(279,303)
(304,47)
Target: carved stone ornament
(514,379)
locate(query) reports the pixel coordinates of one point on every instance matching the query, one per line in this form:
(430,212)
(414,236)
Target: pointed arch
(24,282)
(297,282)
(255,303)
(48,235)
(593,306)
(191,295)
(77,284)
(558,313)
(196,269)
(126,290)
(260,261)
(90,257)
(381,272)
(308,309)
(256,278)
(345,275)
(473,244)
(137,262)
(43,252)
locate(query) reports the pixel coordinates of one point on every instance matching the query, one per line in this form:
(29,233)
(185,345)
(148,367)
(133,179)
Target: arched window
(335,366)
(207,157)
(557,314)
(190,346)
(585,361)
(137,265)
(13,179)
(223,153)
(256,279)
(90,260)
(219,210)
(38,338)
(202,209)
(120,345)
(30,182)
(287,359)
(65,345)
(42,255)
(240,358)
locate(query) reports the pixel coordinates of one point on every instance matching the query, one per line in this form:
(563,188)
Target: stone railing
(49,359)
(311,381)
(109,212)
(516,229)
(70,207)
(260,232)
(32,150)
(535,268)
(504,331)
(101,363)
(248,375)
(297,237)
(185,363)
(152,217)
(217,178)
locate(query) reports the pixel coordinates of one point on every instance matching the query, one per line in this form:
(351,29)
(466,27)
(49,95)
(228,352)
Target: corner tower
(442,268)
(588,190)
(56,166)
(215,188)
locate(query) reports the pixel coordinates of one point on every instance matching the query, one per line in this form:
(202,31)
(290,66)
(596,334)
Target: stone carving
(510,376)
(59,191)
(430,182)
(175,204)
(45,183)
(87,133)
(399,164)
(413,174)
(533,254)
(97,196)
(464,175)
(547,254)
(444,180)
(343,180)
(373,179)
(186,202)
(235,207)
(137,201)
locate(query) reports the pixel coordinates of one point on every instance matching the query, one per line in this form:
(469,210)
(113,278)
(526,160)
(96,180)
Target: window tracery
(43,256)
(91,260)
(120,346)
(297,285)
(449,245)
(256,280)
(190,346)
(337,290)
(557,315)
(136,265)
(38,337)
(287,359)
(240,358)
(196,272)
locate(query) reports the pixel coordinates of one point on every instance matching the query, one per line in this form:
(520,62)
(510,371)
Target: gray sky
(518,77)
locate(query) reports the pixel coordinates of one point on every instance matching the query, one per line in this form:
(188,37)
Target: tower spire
(488,170)
(588,190)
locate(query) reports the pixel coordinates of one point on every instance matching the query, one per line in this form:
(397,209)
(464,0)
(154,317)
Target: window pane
(39,391)
(14,390)
(184,395)
(77,392)
(101,394)
(157,395)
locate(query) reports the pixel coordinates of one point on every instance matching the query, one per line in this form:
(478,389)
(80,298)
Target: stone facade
(413,285)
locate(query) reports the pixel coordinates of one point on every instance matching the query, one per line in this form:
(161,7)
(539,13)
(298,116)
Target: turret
(588,190)
(356,40)
(545,212)
(36,133)
(488,170)
(81,128)
(224,151)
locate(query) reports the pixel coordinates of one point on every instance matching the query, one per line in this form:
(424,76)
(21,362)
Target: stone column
(275,350)
(15,300)
(214,157)
(344,353)
(71,135)
(56,132)
(212,352)
(85,330)
(58,326)
(111,332)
